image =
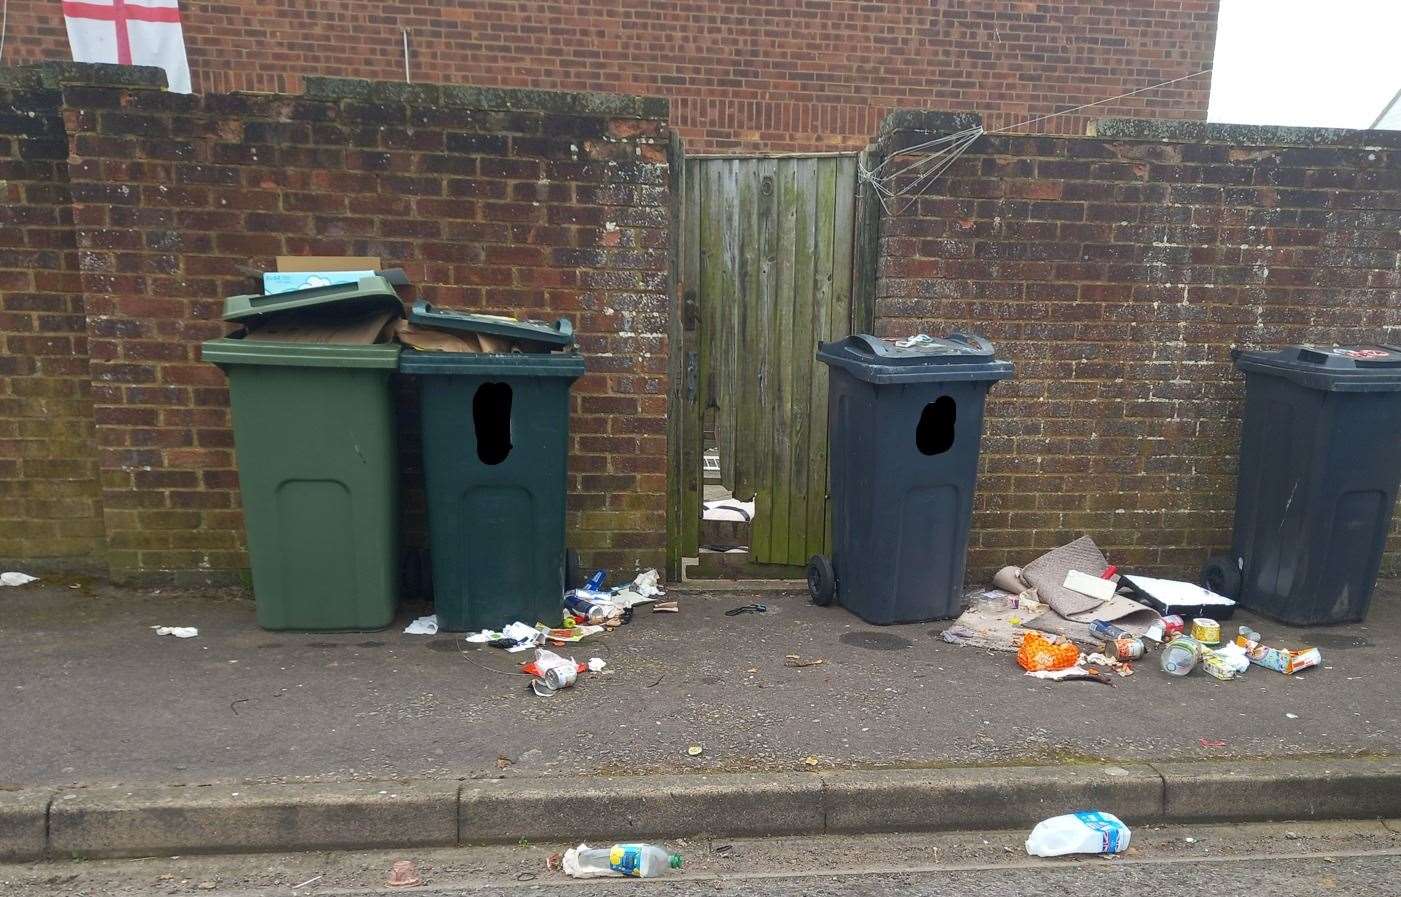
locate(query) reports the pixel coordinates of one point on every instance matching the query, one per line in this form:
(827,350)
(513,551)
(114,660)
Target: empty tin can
(1206,631)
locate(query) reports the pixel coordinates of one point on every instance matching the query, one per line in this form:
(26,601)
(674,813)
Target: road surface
(1346,858)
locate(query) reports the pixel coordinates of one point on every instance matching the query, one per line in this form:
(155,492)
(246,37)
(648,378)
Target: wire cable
(947,148)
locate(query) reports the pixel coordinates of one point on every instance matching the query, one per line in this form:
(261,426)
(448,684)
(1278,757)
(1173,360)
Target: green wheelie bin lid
(234,350)
(557,335)
(368,294)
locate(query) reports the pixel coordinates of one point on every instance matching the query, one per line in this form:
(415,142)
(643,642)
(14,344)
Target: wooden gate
(766,268)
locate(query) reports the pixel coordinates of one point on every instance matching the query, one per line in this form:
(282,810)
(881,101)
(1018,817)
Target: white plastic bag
(1090,831)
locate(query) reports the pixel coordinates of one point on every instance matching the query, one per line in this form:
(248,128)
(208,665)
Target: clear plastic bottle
(620,860)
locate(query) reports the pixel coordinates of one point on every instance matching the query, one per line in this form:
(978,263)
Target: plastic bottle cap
(676,861)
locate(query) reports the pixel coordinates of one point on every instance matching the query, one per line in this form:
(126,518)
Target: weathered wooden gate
(766,268)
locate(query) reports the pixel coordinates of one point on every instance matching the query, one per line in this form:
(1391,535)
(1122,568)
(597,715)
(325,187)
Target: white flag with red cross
(130,32)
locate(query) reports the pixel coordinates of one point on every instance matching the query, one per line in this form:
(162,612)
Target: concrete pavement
(91,696)
(121,742)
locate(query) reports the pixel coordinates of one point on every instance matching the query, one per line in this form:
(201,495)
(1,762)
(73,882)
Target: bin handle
(874,345)
(565,327)
(973,340)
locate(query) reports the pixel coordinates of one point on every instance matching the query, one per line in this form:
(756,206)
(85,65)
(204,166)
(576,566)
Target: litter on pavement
(15,578)
(423,626)
(1090,831)
(1064,622)
(177,631)
(619,861)
(403,874)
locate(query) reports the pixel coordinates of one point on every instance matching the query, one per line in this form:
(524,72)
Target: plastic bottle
(1087,832)
(619,861)
(1180,656)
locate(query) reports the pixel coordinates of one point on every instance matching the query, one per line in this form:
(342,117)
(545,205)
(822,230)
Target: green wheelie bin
(314,435)
(495,450)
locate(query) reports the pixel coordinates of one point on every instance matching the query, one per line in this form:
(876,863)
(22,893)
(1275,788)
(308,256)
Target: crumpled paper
(423,626)
(15,578)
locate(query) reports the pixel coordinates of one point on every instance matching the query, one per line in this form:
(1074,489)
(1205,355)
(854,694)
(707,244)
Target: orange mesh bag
(1040,653)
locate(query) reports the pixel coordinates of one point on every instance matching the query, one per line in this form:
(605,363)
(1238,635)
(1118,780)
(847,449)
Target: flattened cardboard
(328,263)
(367,329)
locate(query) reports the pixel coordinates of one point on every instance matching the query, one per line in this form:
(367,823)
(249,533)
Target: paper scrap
(423,626)
(15,578)
(177,631)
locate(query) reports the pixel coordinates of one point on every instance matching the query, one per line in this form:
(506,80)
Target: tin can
(561,676)
(1173,625)
(1107,631)
(1206,631)
(1127,648)
(1181,655)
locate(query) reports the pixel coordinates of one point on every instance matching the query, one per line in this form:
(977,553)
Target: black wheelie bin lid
(1375,368)
(564,361)
(959,356)
(557,335)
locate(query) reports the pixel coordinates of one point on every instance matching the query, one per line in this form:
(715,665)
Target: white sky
(1328,63)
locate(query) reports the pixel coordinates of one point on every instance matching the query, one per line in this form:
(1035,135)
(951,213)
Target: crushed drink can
(1173,625)
(1106,630)
(1127,648)
(1181,655)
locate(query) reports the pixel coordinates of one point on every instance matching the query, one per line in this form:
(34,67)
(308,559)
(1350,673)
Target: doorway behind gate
(769,264)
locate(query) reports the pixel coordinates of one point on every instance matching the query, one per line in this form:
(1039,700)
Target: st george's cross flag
(130,32)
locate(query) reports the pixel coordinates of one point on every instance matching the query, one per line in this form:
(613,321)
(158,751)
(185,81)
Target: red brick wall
(1118,272)
(760,74)
(515,202)
(50,514)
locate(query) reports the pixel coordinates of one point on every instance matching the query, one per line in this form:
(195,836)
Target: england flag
(130,32)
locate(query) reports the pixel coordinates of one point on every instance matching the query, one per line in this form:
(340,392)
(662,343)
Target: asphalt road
(1301,858)
(90,695)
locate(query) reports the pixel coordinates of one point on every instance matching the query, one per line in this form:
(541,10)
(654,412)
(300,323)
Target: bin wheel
(1221,575)
(573,574)
(822,581)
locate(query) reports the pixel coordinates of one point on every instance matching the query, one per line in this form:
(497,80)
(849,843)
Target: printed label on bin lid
(1361,357)
(1369,353)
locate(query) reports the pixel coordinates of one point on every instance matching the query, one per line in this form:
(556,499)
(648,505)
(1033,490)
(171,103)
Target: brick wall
(760,74)
(49,507)
(516,202)
(1117,272)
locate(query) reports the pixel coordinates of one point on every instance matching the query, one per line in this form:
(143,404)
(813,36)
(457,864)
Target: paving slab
(92,696)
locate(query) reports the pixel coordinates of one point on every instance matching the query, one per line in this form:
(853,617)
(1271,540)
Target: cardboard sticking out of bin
(431,329)
(366,329)
(295,272)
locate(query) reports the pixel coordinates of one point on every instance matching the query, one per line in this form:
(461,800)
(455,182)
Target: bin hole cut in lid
(934,433)
(491,421)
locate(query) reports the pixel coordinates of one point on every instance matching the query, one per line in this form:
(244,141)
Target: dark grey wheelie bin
(905,426)
(1320,459)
